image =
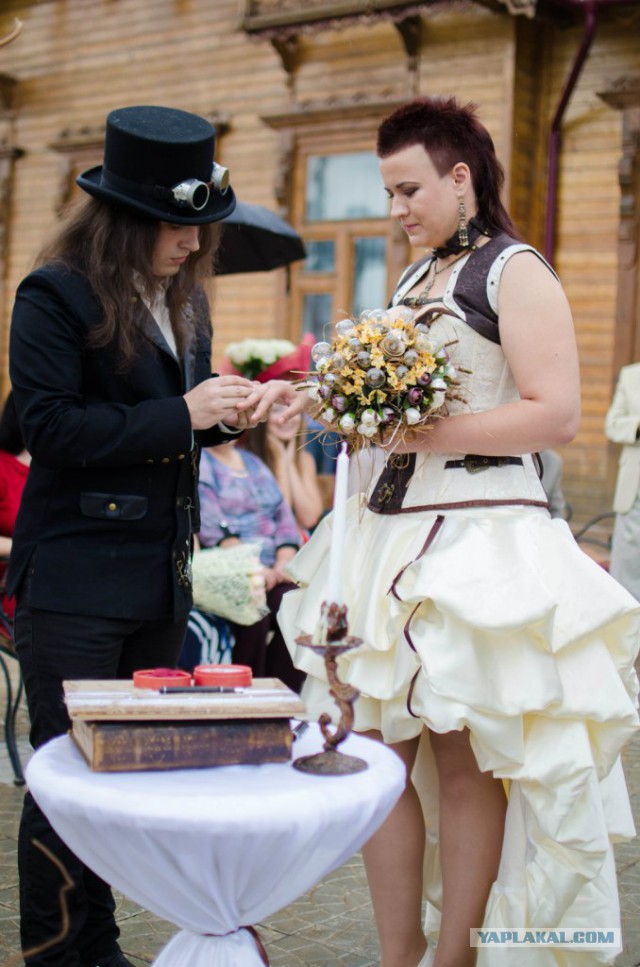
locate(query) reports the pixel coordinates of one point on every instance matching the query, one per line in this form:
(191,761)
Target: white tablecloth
(213,850)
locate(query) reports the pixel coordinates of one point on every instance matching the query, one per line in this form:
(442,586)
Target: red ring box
(161,677)
(225,675)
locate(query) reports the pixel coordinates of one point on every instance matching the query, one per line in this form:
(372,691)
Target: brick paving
(331,926)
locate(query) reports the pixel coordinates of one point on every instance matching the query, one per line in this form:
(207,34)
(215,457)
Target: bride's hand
(264,395)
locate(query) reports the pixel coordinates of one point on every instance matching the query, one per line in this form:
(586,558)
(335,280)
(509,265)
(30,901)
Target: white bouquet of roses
(229,582)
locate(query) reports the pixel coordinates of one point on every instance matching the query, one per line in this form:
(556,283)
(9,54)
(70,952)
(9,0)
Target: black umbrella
(255,239)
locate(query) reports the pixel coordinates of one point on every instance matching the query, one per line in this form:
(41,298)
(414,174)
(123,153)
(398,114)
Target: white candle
(339,521)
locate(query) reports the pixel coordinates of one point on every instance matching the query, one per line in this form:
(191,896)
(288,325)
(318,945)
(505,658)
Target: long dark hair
(256,440)
(450,132)
(110,243)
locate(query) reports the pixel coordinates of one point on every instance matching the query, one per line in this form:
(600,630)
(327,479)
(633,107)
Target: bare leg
(472,814)
(393,860)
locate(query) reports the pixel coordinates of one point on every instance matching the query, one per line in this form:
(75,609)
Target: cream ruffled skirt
(507,628)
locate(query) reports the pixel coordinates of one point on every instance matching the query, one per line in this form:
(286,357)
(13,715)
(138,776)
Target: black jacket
(110,502)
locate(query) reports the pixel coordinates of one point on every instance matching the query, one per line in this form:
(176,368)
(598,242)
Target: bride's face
(422,201)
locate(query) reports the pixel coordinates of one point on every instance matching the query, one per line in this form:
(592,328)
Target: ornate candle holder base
(331,640)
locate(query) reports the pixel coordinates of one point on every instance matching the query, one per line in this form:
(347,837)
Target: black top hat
(159,161)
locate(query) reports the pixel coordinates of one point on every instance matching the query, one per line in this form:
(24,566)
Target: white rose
(438,385)
(365,429)
(369,417)
(236,353)
(282,345)
(412,415)
(329,414)
(314,393)
(346,423)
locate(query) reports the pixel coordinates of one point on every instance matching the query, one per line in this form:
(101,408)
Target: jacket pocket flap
(113,506)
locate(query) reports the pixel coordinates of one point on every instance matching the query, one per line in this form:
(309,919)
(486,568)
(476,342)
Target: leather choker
(453,245)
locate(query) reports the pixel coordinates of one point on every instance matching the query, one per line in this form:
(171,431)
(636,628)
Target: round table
(215,850)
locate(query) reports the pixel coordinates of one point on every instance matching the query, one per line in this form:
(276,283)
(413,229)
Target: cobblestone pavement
(331,926)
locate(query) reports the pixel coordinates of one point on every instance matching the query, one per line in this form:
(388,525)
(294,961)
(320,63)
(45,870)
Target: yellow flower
(370,335)
(394,382)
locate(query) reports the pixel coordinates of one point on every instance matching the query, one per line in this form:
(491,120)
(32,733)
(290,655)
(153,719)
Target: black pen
(196,689)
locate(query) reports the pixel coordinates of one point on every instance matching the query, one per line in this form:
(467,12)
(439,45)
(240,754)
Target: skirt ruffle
(505,627)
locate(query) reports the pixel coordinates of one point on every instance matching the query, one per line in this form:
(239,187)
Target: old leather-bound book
(136,746)
(119,728)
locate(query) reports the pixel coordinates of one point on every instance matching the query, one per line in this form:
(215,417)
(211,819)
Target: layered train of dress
(519,636)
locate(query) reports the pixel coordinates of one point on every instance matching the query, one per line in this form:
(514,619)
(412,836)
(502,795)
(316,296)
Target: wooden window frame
(339,129)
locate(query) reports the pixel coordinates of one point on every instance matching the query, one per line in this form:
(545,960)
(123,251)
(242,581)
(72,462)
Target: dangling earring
(463,234)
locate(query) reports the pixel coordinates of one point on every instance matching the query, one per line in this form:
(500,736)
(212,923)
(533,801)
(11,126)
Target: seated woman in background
(284,448)
(14,468)
(281,447)
(240,501)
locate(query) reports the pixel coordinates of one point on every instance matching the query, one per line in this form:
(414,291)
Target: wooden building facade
(296,89)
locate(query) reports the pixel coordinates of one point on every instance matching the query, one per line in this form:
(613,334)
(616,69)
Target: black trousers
(53,647)
(272,659)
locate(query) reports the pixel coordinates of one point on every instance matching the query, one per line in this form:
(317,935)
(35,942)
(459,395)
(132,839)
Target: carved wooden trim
(287,49)
(284,37)
(336,110)
(623,92)
(410,30)
(286,145)
(78,149)
(13,33)
(624,95)
(267,17)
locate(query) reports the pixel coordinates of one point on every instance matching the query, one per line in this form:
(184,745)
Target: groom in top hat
(110,354)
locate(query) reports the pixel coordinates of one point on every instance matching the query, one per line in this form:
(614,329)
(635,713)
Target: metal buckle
(385,494)
(475,464)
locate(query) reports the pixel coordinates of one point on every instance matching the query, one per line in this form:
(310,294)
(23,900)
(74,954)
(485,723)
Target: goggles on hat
(195,194)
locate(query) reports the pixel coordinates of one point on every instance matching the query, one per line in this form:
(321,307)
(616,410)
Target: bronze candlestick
(331,640)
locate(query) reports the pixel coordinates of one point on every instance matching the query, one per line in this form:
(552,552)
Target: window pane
(370,275)
(345,186)
(316,315)
(320,256)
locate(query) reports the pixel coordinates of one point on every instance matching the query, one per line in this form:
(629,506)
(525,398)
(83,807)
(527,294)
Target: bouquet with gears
(382,374)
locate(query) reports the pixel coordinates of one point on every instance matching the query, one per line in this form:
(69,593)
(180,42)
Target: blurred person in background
(622,425)
(14,468)
(282,447)
(552,466)
(286,448)
(241,502)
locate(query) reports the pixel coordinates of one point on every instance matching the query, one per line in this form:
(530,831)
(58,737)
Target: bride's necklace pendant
(418,301)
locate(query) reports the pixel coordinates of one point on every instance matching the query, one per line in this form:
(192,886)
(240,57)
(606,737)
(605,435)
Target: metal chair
(596,536)
(13,695)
